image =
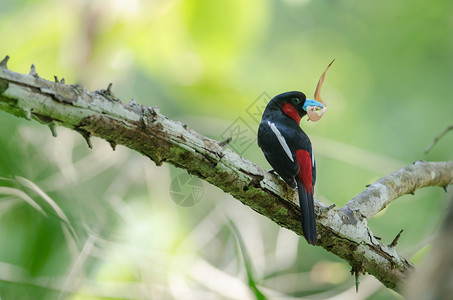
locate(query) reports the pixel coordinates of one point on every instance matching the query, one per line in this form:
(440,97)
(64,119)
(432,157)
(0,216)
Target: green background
(92,224)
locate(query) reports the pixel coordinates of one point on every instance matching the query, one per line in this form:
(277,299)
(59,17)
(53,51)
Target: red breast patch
(304,160)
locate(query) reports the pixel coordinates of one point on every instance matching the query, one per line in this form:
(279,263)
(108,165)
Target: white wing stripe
(312,158)
(281,139)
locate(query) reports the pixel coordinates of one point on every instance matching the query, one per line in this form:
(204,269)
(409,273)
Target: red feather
(291,111)
(304,160)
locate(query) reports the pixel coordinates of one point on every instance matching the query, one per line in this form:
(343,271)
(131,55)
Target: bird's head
(296,105)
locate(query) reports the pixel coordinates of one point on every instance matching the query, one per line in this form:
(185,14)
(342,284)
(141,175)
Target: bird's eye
(296,100)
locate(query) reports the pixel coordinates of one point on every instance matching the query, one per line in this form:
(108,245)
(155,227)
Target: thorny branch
(405,181)
(344,232)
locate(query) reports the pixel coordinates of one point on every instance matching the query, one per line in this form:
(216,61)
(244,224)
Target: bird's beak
(320,106)
(314,109)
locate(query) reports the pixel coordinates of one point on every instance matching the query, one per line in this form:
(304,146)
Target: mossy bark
(144,129)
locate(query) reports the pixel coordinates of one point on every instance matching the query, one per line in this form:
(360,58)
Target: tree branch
(433,281)
(438,137)
(144,129)
(405,181)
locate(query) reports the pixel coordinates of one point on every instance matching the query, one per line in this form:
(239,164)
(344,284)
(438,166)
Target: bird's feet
(272,171)
(291,183)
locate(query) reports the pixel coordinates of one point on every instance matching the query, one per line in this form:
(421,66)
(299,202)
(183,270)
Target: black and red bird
(288,149)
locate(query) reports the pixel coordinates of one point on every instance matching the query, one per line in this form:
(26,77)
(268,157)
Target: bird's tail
(307,213)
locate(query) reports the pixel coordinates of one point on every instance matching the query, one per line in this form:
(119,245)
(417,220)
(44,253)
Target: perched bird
(288,149)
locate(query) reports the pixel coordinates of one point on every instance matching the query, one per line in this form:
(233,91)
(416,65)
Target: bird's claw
(272,171)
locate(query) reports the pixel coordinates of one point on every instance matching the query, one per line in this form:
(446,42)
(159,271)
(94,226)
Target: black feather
(307,213)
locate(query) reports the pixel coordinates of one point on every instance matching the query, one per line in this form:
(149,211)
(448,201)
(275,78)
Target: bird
(288,148)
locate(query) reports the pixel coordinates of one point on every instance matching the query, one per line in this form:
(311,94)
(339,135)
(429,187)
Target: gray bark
(344,232)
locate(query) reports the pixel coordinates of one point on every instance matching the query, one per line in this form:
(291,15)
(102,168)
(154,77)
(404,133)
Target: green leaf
(247,262)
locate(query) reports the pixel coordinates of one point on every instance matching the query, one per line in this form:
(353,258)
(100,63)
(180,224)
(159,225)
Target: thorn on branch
(395,240)
(356,272)
(87,136)
(326,209)
(113,145)
(445,188)
(62,81)
(225,142)
(56,78)
(357,282)
(33,71)
(108,93)
(4,62)
(132,102)
(368,185)
(109,89)
(88,140)
(155,109)
(53,129)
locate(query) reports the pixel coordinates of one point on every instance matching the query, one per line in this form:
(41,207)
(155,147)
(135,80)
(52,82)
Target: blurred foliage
(207,63)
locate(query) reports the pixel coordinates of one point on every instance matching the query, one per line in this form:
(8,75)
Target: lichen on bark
(144,129)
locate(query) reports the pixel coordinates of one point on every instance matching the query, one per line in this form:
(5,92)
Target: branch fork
(344,231)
